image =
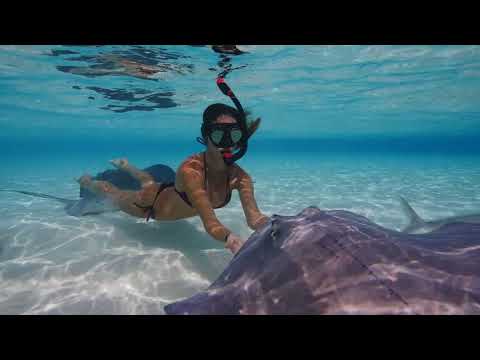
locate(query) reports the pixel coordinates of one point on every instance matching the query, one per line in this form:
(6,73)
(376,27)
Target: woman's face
(223,119)
(219,152)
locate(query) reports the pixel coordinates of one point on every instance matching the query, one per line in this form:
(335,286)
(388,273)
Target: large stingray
(338,262)
(90,204)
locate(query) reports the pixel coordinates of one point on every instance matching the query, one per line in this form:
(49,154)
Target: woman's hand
(261,222)
(234,243)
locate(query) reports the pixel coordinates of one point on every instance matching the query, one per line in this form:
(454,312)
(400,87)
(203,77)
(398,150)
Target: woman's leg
(124,199)
(143,177)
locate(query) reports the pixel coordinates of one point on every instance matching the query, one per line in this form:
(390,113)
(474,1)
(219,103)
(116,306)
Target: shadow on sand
(206,255)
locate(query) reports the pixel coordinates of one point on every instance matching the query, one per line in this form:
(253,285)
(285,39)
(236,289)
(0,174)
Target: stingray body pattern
(338,262)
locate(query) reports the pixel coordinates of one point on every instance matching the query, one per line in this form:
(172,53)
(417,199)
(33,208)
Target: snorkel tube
(243,143)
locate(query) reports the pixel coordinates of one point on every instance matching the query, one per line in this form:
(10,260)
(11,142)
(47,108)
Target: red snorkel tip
(227,155)
(220,80)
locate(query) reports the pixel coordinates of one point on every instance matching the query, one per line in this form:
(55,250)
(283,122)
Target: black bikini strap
(150,209)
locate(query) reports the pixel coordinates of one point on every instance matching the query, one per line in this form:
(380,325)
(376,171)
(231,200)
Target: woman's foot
(85,181)
(121,164)
(95,186)
(143,177)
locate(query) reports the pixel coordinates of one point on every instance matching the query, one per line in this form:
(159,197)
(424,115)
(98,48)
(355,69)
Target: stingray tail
(45,196)
(413,219)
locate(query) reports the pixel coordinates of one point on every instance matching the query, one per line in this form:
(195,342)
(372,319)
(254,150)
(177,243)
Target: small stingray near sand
(91,204)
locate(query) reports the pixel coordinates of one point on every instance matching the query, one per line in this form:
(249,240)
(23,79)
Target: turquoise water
(343,127)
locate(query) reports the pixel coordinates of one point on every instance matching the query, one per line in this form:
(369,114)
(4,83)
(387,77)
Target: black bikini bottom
(150,210)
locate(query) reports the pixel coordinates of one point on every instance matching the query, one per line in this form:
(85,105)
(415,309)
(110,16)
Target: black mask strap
(201,141)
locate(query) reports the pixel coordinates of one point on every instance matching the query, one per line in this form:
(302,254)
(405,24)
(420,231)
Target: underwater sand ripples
(53,264)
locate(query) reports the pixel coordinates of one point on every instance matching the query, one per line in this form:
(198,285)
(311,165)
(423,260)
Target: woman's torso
(173,202)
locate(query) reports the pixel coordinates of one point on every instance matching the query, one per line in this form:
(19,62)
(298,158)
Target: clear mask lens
(216,136)
(236,135)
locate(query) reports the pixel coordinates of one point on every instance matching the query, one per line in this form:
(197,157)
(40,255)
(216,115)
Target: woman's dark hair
(212,113)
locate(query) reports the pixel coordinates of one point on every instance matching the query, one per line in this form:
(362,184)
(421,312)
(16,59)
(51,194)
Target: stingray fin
(413,219)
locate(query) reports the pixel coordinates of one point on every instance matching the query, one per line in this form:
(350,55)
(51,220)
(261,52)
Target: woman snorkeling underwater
(203,182)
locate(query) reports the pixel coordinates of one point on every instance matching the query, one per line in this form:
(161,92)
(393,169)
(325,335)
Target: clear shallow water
(343,127)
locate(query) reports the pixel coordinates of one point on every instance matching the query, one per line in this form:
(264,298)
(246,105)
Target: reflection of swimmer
(224,63)
(203,182)
(227,49)
(137,69)
(111,64)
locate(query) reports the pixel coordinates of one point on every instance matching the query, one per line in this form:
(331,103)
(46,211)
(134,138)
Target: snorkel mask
(233,136)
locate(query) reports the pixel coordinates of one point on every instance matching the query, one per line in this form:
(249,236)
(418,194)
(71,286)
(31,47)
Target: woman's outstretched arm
(244,184)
